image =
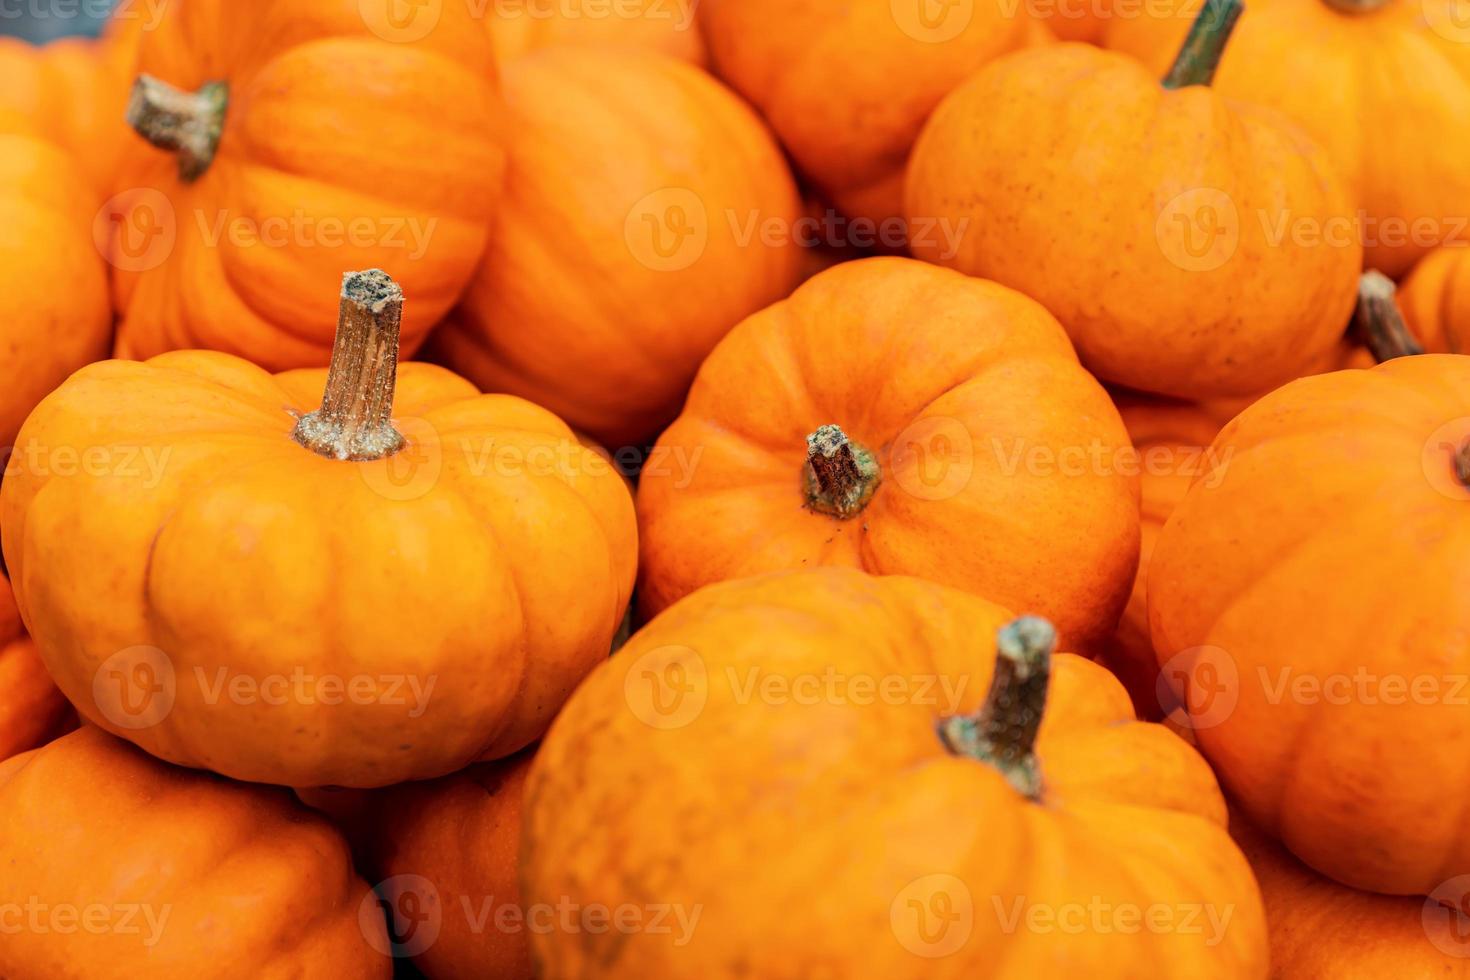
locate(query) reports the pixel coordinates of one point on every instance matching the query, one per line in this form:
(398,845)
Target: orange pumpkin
(444,854)
(847,84)
(519,27)
(376,591)
(607,285)
(924,827)
(1307,604)
(1166,209)
(903,419)
(291,141)
(54,310)
(1320,930)
(117,865)
(1436,301)
(1382,85)
(32,710)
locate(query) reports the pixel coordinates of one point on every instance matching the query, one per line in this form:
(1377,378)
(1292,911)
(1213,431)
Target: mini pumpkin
(657,25)
(1178,216)
(904,419)
(54,310)
(1320,930)
(385,589)
(606,286)
(1436,301)
(32,710)
(1382,85)
(1307,605)
(290,141)
(847,84)
(929,773)
(117,865)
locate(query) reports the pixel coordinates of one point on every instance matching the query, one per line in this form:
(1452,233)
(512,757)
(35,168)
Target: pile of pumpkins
(592,490)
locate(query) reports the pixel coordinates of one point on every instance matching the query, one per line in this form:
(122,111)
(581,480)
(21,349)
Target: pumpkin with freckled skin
(1308,605)
(194,876)
(1435,299)
(1321,930)
(847,84)
(291,141)
(54,310)
(519,27)
(1162,204)
(607,285)
(1382,85)
(985,457)
(704,742)
(382,590)
(32,710)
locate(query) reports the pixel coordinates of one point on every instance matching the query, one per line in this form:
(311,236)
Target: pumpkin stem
(186,123)
(355,420)
(1205,44)
(1002,733)
(1377,321)
(1356,6)
(840,475)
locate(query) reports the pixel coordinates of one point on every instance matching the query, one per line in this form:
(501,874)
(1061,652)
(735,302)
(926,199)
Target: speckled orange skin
(251,885)
(492,557)
(846,87)
(342,149)
(54,310)
(32,710)
(574,307)
(1320,930)
(521,26)
(619,810)
(1081,182)
(1331,550)
(954,383)
(1435,301)
(451,844)
(1385,93)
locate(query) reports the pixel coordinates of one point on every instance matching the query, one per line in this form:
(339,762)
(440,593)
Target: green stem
(186,123)
(1377,322)
(355,420)
(1002,733)
(840,475)
(1205,44)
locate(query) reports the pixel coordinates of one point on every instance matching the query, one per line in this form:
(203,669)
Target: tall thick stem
(1203,48)
(1002,734)
(186,123)
(1377,322)
(840,475)
(355,420)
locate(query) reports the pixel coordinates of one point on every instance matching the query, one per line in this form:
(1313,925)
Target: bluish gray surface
(43,20)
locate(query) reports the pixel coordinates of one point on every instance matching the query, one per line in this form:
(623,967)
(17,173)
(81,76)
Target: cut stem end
(186,123)
(840,475)
(355,420)
(1002,734)
(1200,56)
(1377,322)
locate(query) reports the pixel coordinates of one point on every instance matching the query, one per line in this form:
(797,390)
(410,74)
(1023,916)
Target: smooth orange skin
(1385,93)
(493,557)
(32,710)
(952,382)
(1333,548)
(1435,300)
(54,310)
(342,149)
(450,848)
(574,307)
(846,87)
(519,27)
(1321,930)
(861,799)
(1071,158)
(252,885)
